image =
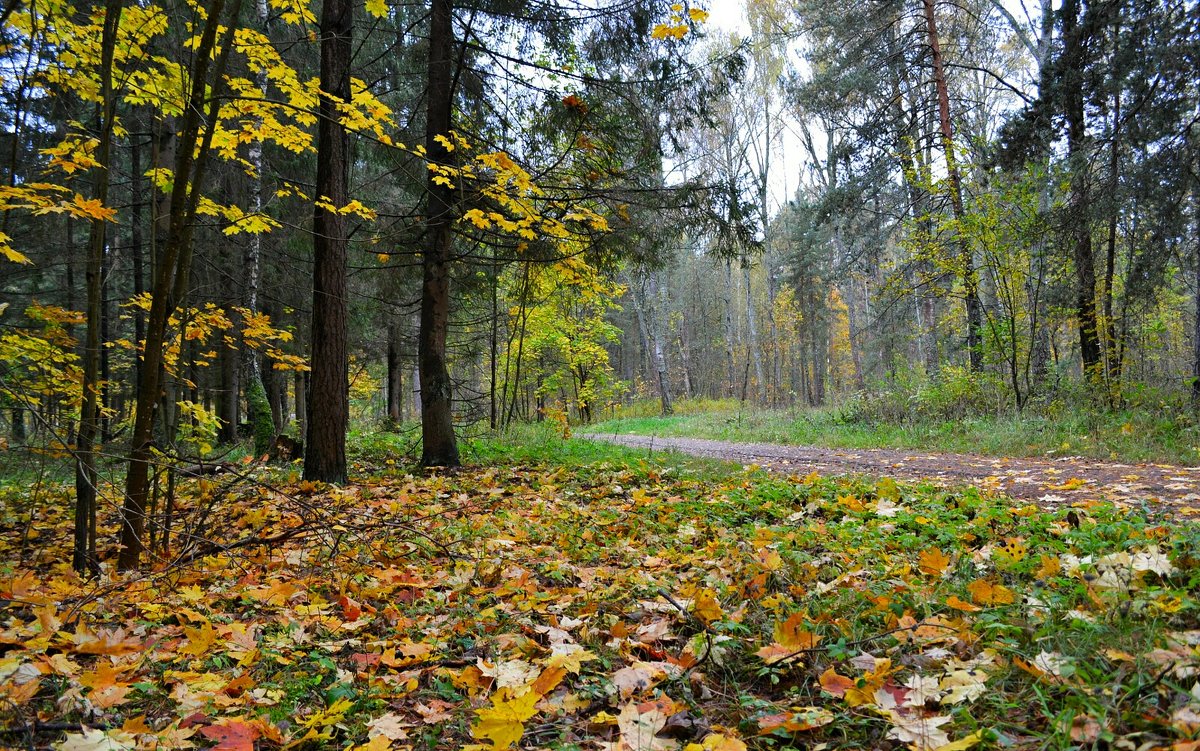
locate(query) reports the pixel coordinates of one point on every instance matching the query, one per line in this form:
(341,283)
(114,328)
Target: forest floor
(578,596)
(1051,483)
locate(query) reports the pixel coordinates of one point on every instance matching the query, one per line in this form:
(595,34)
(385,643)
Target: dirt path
(1048,482)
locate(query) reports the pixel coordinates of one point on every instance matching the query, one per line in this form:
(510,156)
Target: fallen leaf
(232,735)
(503,723)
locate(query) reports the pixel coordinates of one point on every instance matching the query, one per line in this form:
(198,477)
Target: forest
(624,374)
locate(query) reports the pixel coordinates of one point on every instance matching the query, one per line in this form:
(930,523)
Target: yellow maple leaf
(504,721)
(1050,566)
(707,607)
(377,743)
(200,640)
(377,8)
(1013,551)
(9,252)
(697,15)
(932,561)
(851,502)
(717,742)
(478,218)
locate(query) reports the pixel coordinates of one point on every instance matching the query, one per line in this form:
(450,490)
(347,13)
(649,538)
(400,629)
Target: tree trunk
(228,402)
(776,359)
(1196,260)
(171,274)
(1107,327)
(329,393)
(730,359)
(820,361)
(300,386)
(752,335)
(438,444)
(255,384)
(494,346)
(1079,201)
(657,310)
(685,360)
(83,557)
(138,202)
(970,277)
(637,296)
(395,377)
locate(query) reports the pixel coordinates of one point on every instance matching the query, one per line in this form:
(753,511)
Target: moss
(260,417)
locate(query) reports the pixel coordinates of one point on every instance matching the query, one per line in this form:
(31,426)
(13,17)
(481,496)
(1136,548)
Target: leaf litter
(607,606)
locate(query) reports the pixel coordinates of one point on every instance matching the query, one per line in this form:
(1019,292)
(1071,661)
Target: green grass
(522,443)
(1153,433)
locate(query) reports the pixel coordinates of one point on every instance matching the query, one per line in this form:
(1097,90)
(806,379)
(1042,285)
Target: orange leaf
(958,603)
(548,680)
(351,610)
(233,735)
(799,720)
(987,593)
(791,633)
(932,561)
(835,683)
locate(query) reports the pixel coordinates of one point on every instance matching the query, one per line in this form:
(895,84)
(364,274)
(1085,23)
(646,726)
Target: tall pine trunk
(970,277)
(1079,201)
(656,303)
(438,444)
(329,390)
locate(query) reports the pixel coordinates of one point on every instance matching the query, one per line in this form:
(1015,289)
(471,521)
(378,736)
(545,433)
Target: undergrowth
(559,594)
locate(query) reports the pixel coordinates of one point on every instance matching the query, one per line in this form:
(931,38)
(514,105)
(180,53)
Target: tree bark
(730,360)
(752,335)
(228,409)
(83,557)
(252,372)
(300,386)
(1079,201)
(328,397)
(1107,325)
(171,274)
(438,444)
(970,277)
(657,314)
(395,382)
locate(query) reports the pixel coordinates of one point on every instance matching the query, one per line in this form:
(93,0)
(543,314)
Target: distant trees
(999,193)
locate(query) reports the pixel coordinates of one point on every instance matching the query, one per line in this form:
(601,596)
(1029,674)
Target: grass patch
(561,594)
(1133,435)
